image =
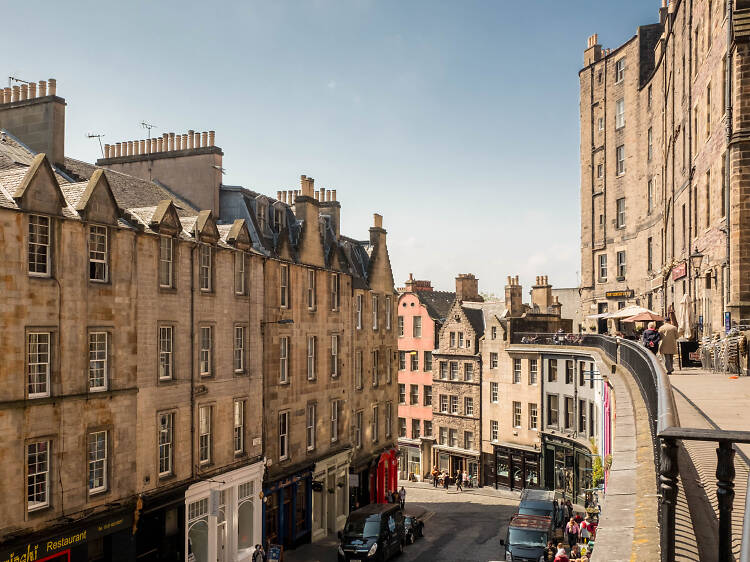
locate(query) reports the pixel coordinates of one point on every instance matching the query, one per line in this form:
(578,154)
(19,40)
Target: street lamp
(696,258)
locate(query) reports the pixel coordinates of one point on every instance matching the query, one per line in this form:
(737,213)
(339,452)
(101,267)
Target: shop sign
(679,271)
(354,480)
(40,550)
(626,294)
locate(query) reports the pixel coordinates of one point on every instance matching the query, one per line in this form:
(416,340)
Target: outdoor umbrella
(684,317)
(627,312)
(645,317)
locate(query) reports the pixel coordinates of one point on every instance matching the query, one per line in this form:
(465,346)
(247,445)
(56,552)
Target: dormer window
(261,216)
(278,219)
(98,254)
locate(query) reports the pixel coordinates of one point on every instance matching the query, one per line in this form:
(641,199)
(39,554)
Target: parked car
(537,502)
(374,532)
(527,537)
(413,528)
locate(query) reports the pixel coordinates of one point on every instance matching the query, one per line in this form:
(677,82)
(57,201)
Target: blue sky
(457,121)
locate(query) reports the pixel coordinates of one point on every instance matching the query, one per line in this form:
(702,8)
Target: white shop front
(330,495)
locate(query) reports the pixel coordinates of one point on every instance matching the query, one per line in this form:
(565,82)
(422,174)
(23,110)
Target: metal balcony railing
(666,432)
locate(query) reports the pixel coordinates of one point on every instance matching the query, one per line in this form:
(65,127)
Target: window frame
(97,462)
(602,269)
(33,476)
(166,430)
(494,392)
(96,358)
(47,371)
(620,212)
(375,430)
(284,273)
(469,406)
(374,302)
(206,351)
(334,420)
(334,355)
(427,395)
(205,434)
(517,370)
(621,264)
(34,232)
(416,327)
(239,359)
(358,311)
(102,233)
(533,371)
(335,291)
(311,290)
(238,427)
(620,160)
(283,359)
(533,417)
(311,357)
(170,284)
(205,268)
(310,426)
(619,70)
(620,113)
(240,273)
(494,430)
(517,414)
(283,435)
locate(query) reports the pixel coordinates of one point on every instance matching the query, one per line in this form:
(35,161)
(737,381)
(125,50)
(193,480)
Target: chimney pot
(171,142)
(32,90)
(211,138)
(178,142)
(322,194)
(118,150)
(191,138)
(153,146)
(7,97)
(130,148)
(52,87)
(136,149)
(160,144)
(42,88)
(143,146)
(184,142)
(16,93)
(204,138)
(24,92)
(377,220)
(334,195)
(106,151)
(516,279)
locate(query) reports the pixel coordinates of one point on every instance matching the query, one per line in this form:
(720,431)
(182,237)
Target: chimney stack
(593,52)
(541,294)
(514,297)
(467,288)
(52,83)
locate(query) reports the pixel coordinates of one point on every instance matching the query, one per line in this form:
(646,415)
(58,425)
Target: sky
(457,121)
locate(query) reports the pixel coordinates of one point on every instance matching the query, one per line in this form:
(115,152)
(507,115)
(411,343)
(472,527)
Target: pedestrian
(396,498)
(555,514)
(651,338)
(575,552)
(586,529)
(435,475)
(458,482)
(561,556)
(569,510)
(668,346)
(258,555)
(402,496)
(445,480)
(466,479)
(571,530)
(549,552)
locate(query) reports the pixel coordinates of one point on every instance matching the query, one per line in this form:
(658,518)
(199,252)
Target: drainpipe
(691,280)
(727,158)
(192,360)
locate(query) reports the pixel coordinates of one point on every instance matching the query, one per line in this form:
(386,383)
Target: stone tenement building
(147,324)
(421,313)
(664,138)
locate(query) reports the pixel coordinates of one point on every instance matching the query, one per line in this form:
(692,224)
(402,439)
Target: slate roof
(479,313)
(476,319)
(437,303)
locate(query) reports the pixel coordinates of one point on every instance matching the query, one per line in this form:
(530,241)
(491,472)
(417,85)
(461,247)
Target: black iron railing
(666,434)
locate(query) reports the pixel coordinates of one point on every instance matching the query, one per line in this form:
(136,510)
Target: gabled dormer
(165,220)
(98,204)
(379,272)
(206,232)
(39,191)
(239,235)
(205,229)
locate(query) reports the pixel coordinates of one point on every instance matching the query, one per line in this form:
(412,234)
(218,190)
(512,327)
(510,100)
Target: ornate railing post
(725,495)
(668,497)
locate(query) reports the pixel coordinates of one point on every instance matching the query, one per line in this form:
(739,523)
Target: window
(723,185)
(708,198)
(402,427)
(620,212)
(621,265)
(650,201)
(358,429)
(427,395)
(401,326)
(417,327)
(98,255)
(389,313)
(453,434)
(358,369)
(97,361)
(240,279)
(311,341)
(619,70)
(469,406)
(413,394)
(533,416)
(443,440)
(375,427)
(388,366)
(374,312)
(443,370)
(552,375)
(260,214)
(650,143)
(582,417)
(335,282)
(39,246)
(649,96)
(620,114)
(468,372)
(444,403)
(650,253)
(516,414)
(284,285)
(454,404)
(452,338)
(375,367)
(334,356)
(695,131)
(283,359)
(415,428)
(427,363)
(569,413)
(708,109)
(493,332)
(334,421)
(97,461)
(494,392)
(569,365)
(37,470)
(494,430)
(600,171)
(581,373)
(204,434)
(166,262)
(454,370)
(592,425)
(427,428)
(620,158)
(239,349)
(359,312)
(311,296)
(310,427)
(283,435)
(414,360)
(552,410)
(402,394)
(600,123)
(206,351)
(388,417)
(204,267)
(516,371)
(166,439)
(468,440)
(278,219)
(38,364)
(460,339)
(493,360)
(401,360)
(239,427)
(533,371)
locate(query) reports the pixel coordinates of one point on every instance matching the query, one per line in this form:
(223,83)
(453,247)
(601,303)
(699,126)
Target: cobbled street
(459,526)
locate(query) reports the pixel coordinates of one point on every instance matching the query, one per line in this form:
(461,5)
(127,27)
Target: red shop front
(384,476)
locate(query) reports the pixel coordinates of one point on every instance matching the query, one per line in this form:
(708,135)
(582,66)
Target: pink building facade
(421,312)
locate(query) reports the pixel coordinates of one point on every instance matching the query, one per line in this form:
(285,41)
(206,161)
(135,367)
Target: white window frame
(517,414)
(453,373)
(38,364)
(452,339)
(375,423)
(375,367)
(284,285)
(469,406)
(388,366)
(284,359)
(204,434)
(97,461)
(400,326)
(283,435)
(533,417)
(98,361)
(533,371)
(165,441)
(453,404)
(239,426)
(335,286)
(98,254)
(620,212)
(358,383)
(443,399)
(494,392)
(38,474)
(39,246)
(311,345)
(374,313)
(388,312)
(311,293)
(600,123)
(494,430)
(460,339)
(334,421)
(335,355)
(620,159)
(388,416)
(602,267)
(469,372)
(517,370)
(359,312)
(493,360)
(240,275)
(205,361)
(239,349)
(358,429)
(166,262)
(416,327)
(310,422)
(621,264)
(205,265)
(620,113)
(619,70)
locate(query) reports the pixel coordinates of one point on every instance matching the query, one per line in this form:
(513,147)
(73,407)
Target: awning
(629,311)
(597,316)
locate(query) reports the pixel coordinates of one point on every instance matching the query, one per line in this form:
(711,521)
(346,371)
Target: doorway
(601,323)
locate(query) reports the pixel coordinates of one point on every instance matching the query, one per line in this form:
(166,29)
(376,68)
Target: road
(459,527)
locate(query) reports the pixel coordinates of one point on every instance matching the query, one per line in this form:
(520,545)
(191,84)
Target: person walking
(435,475)
(586,530)
(445,480)
(571,530)
(651,338)
(668,348)
(549,552)
(458,482)
(561,556)
(402,496)
(259,555)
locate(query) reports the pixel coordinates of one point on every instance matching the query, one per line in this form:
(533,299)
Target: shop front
(567,467)
(287,513)
(330,495)
(453,460)
(410,466)
(102,538)
(516,466)
(223,520)
(370,482)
